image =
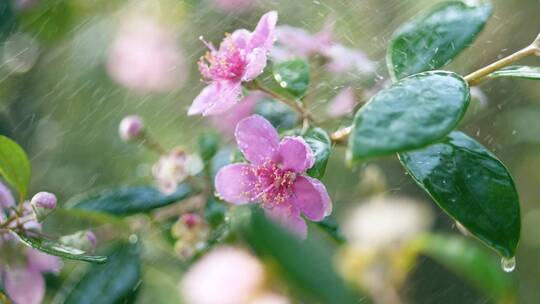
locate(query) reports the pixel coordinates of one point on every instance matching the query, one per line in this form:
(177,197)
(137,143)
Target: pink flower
(343,60)
(145,57)
(6,198)
(275,176)
(226,123)
(300,42)
(226,275)
(342,104)
(240,57)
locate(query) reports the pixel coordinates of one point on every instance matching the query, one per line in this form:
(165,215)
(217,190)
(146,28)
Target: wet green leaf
(115,282)
(331,226)
(433,39)
(278,114)
(320,144)
(292,76)
(470,184)
(519,71)
(413,113)
(14,165)
(307,264)
(470,262)
(8,20)
(129,199)
(214,211)
(57,249)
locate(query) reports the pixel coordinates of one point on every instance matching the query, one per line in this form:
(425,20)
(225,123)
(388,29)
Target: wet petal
(297,40)
(226,123)
(241,38)
(24,285)
(288,217)
(263,35)
(256,62)
(229,93)
(42,262)
(343,60)
(295,154)
(235,183)
(257,139)
(204,100)
(311,197)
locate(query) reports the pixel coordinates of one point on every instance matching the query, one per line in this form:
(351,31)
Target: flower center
(273,184)
(227,63)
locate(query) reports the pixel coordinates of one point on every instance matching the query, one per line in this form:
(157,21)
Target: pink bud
(130,127)
(44,200)
(191,219)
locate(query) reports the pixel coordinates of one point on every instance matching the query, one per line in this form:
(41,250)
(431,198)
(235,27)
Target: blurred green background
(62,105)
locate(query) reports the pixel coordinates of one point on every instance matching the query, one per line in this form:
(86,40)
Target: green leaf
(519,71)
(208,145)
(320,144)
(292,76)
(470,262)
(413,113)
(129,199)
(57,249)
(470,184)
(8,20)
(278,114)
(115,282)
(433,39)
(307,264)
(14,165)
(331,226)
(214,211)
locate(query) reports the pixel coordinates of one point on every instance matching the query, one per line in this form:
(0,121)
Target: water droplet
(508,265)
(133,239)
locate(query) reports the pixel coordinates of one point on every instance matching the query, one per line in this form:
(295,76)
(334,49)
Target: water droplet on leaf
(508,265)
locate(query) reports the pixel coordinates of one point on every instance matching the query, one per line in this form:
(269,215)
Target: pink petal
(256,62)
(6,198)
(241,38)
(24,285)
(216,98)
(343,60)
(226,123)
(229,93)
(263,35)
(288,217)
(42,262)
(295,154)
(342,104)
(311,197)
(257,139)
(235,183)
(297,40)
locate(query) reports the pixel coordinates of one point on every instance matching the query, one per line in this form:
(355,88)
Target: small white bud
(130,127)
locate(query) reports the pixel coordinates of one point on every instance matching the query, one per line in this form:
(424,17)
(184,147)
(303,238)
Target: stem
(477,76)
(294,104)
(150,143)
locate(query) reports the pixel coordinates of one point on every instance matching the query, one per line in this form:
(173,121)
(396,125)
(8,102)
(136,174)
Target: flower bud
(43,204)
(84,240)
(130,127)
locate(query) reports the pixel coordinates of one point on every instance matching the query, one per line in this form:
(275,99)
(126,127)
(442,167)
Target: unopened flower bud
(191,232)
(130,127)
(84,240)
(43,204)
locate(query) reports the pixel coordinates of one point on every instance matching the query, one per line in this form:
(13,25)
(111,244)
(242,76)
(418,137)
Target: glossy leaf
(471,263)
(331,226)
(214,211)
(320,144)
(470,184)
(519,71)
(433,39)
(8,20)
(57,249)
(129,199)
(14,165)
(292,76)
(278,114)
(307,264)
(114,282)
(412,113)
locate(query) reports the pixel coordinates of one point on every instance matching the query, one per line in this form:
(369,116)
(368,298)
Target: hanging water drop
(508,265)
